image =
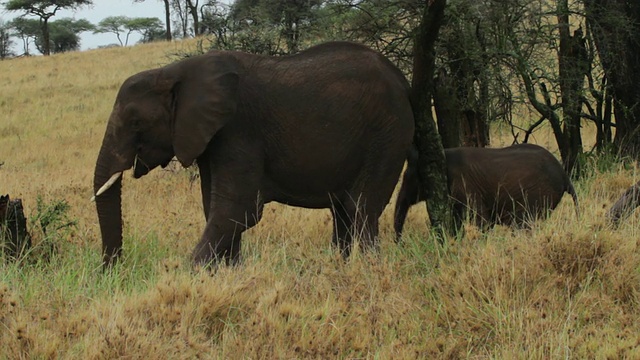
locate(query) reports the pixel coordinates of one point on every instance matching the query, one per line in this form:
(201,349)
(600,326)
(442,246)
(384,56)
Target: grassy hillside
(568,288)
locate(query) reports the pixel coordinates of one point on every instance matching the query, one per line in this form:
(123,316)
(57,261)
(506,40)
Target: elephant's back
(516,156)
(330,115)
(526,173)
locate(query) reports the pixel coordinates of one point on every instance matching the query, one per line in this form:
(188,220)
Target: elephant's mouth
(140,167)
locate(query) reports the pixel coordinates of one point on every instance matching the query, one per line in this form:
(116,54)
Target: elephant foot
(208,255)
(110,258)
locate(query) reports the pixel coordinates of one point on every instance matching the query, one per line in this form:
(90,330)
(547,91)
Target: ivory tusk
(107,185)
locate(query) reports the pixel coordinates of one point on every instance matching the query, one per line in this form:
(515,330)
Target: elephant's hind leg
(373,190)
(351,219)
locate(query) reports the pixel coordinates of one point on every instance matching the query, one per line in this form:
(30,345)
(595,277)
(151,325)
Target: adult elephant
(512,185)
(326,128)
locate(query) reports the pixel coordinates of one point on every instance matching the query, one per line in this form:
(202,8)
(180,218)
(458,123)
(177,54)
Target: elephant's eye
(136,124)
(133,117)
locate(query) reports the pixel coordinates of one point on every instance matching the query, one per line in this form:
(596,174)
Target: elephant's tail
(572,191)
(412,155)
(409,193)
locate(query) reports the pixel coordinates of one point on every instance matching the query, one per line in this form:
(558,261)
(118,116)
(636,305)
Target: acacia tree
(27,30)
(5,40)
(118,25)
(431,160)
(115,25)
(461,95)
(290,18)
(64,35)
(167,17)
(385,25)
(151,29)
(44,10)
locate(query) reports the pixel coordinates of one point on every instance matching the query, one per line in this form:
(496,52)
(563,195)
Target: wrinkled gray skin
(511,186)
(326,128)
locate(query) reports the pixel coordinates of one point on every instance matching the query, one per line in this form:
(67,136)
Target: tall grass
(567,288)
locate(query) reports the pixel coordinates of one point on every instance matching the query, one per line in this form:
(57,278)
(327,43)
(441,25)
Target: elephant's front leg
(232,203)
(220,241)
(231,170)
(222,235)
(342,223)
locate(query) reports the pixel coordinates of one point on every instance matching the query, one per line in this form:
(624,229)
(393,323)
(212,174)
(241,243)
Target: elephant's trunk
(109,208)
(107,185)
(108,195)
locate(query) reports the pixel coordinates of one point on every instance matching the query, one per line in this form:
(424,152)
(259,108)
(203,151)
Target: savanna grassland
(568,288)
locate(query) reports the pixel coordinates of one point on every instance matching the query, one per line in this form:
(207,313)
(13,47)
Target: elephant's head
(174,110)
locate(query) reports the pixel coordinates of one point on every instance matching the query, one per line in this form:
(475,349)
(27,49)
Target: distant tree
(44,10)
(188,14)
(167,17)
(147,27)
(192,8)
(214,19)
(291,18)
(151,29)
(616,30)
(5,40)
(181,17)
(64,34)
(27,30)
(115,25)
(152,35)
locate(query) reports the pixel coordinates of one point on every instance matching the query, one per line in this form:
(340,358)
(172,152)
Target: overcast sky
(100,10)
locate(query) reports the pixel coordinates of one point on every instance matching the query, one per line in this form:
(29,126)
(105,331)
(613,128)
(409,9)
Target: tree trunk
(448,111)
(291,31)
(193,9)
(46,50)
(167,19)
(431,160)
(616,28)
(573,67)
(475,130)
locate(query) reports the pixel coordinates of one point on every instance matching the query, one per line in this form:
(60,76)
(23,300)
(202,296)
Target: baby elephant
(500,186)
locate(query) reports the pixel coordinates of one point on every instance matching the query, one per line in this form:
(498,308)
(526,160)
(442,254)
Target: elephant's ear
(204,100)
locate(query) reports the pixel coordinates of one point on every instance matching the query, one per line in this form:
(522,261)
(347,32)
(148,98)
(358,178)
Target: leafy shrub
(49,224)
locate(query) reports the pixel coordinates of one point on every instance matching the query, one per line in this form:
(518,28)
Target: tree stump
(14,237)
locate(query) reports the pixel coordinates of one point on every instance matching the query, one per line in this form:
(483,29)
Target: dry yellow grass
(567,288)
